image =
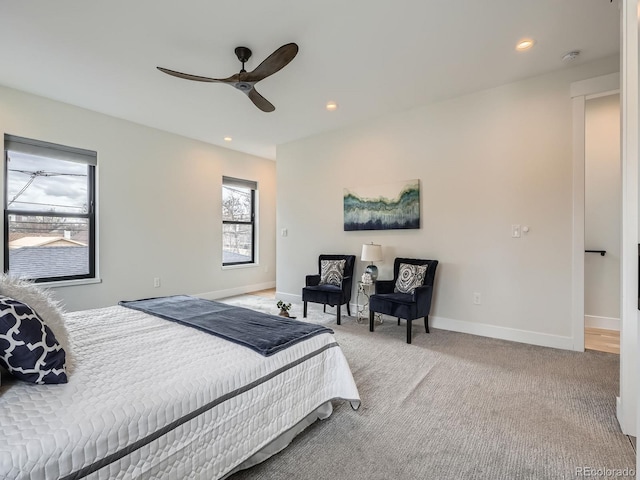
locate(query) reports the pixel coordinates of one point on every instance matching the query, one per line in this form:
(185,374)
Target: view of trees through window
(237,225)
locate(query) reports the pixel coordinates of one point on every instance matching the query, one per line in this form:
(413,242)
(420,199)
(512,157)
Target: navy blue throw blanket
(265,334)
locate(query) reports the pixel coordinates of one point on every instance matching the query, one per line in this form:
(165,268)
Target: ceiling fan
(245,81)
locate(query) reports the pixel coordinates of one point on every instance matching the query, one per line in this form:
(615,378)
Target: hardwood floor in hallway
(602,340)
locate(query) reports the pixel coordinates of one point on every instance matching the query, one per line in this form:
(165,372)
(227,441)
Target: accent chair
(408,295)
(330,286)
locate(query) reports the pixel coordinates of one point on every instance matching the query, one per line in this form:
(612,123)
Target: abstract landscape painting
(388,206)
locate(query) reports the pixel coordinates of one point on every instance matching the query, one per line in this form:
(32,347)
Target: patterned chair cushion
(331,272)
(28,348)
(409,278)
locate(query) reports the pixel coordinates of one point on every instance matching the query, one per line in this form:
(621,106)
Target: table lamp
(371,253)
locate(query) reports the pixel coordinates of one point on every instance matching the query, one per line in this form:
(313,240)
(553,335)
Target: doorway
(580,92)
(602,230)
(626,401)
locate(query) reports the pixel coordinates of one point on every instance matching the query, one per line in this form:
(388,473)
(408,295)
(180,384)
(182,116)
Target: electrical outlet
(156,282)
(477,298)
(515,231)
(284,232)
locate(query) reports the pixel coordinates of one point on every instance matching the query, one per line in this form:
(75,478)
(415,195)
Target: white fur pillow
(40,300)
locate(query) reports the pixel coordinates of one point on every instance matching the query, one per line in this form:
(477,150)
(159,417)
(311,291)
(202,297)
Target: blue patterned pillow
(28,348)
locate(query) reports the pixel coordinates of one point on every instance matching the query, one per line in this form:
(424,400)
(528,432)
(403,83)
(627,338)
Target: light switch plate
(515,231)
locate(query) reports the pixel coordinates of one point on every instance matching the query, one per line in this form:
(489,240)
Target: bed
(151,399)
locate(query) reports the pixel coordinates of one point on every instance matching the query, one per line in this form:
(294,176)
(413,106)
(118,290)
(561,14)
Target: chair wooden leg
(398,320)
(324,308)
(408,331)
(304,310)
(426,324)
(348,309)
(338,313)
(371,320)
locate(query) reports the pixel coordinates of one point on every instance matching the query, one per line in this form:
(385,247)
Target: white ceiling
(371,56)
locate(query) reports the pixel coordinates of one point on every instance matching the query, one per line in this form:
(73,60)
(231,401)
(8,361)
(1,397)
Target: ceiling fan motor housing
(243,86)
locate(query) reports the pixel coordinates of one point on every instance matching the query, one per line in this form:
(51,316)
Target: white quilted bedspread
(134,374)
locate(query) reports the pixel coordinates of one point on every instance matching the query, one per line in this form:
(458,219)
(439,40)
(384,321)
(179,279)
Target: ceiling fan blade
(260,102)
(274,62)
(187,76)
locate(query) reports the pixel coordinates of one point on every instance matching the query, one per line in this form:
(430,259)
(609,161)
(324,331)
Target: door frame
(581,92)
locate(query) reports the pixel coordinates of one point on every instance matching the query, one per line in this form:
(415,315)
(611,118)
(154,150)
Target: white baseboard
(628,428)
(230,292)
(288,297)
(607,323)
(481,329)
(619,413)
(503,333)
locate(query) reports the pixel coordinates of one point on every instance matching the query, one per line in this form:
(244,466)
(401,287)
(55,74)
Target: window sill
(70,283)
(242,265)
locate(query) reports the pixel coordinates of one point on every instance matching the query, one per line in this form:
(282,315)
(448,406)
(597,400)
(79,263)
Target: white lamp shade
(371,252)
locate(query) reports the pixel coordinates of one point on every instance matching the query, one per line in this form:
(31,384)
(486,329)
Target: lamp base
(373,271)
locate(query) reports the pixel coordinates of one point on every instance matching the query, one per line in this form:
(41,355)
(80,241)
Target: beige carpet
(456,406)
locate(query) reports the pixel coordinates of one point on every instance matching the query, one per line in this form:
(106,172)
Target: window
(49,212)
(238,221)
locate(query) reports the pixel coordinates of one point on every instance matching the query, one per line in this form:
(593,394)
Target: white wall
(486,161)
(159,203)
(602,211)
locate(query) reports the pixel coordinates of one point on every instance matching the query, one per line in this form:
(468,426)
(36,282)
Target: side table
(365,290)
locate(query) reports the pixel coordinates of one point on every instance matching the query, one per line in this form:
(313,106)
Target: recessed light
(227,139)
(331,106)
(524,44)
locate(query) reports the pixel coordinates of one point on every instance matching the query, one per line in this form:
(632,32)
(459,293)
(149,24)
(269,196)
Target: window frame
(253,187)
(76,155)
